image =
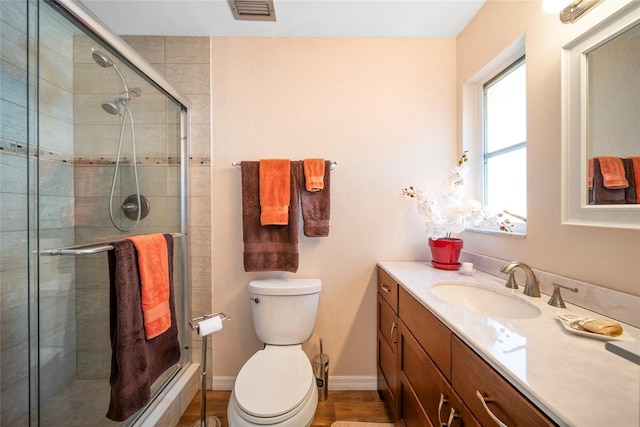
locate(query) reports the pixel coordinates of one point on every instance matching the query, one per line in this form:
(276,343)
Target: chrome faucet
(531,287)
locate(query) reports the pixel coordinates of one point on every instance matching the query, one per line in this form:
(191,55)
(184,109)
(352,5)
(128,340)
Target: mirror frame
(575,207)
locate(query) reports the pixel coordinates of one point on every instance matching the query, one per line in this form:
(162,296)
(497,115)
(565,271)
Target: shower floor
(80,403)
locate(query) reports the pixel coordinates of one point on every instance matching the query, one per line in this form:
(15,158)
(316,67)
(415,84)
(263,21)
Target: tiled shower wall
(97,141)
(185,63)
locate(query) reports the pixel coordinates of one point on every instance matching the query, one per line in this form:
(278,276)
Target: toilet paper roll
(209,326)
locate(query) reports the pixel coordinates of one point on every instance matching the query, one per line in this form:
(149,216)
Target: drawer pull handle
(443,400)
(452,416)
(484,401)
(393,340)
(385,288)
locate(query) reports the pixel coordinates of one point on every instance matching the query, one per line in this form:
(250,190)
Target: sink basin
(484,300)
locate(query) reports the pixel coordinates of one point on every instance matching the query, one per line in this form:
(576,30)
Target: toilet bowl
(276,386)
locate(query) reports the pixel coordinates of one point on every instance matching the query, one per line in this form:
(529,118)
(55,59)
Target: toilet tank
(284,310)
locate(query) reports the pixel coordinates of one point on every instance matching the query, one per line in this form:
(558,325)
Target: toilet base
(304,418)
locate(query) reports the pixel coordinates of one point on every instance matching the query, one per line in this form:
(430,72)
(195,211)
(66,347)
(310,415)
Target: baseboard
(335,383)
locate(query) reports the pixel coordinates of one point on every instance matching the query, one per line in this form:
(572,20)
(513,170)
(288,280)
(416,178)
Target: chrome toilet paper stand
(204,420)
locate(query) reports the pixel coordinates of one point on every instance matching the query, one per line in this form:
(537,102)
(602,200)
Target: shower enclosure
(93,148)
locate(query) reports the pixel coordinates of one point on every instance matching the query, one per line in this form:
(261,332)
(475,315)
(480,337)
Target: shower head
(105,62)
(111,107)
(101,59)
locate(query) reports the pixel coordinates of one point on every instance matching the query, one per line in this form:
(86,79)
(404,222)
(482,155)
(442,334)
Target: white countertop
(571,378)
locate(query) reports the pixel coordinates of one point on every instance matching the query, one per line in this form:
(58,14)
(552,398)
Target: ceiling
(294,18)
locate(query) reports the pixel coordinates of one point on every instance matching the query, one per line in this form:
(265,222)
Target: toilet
(276,386)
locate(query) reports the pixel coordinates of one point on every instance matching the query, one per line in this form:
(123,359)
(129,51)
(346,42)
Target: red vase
(445,253)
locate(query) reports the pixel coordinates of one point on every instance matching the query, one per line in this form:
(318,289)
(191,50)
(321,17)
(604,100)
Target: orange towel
(636,174)
(275,191)
(613,174)
(153,263)
(590,179)
(314,174)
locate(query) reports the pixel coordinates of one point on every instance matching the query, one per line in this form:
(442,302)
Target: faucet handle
(556,299)
(511,282)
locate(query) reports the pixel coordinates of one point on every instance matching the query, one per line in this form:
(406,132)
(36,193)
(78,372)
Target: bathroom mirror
(601,124)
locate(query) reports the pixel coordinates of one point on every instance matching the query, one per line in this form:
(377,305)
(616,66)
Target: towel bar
(332,164)
(88,248)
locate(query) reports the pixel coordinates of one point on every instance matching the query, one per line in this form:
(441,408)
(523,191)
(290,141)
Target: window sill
(519,230)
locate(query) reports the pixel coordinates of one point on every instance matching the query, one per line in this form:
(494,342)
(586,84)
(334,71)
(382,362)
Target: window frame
(474,127)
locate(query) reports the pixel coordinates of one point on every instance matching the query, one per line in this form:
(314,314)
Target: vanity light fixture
(569,13)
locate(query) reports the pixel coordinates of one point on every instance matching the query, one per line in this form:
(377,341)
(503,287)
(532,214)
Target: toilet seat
(274,384)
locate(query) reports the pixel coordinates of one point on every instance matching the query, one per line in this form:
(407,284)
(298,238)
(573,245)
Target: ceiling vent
(253,10)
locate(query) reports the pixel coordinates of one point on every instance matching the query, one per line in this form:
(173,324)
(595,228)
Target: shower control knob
(130,207)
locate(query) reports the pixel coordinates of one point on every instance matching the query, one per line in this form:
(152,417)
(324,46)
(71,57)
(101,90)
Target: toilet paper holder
(204,420)
(220,314)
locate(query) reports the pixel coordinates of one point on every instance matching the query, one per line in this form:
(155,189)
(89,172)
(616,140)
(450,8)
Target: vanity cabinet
(429,377)
(387,341)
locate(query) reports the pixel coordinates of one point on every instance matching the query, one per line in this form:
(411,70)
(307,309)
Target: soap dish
(571,323)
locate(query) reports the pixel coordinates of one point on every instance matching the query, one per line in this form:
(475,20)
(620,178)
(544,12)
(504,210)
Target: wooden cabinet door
(470,376)
(432,334)
(421,377)
(387,353)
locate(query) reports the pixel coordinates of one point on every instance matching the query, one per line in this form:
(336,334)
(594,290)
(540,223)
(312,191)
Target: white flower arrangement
(447,214)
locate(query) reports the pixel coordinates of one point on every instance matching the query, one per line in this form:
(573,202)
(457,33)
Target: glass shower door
(58,147)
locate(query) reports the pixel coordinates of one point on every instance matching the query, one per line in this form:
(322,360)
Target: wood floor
(339,406)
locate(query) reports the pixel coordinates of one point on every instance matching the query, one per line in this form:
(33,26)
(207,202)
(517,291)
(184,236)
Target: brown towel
(631,193)
(275,191)
(634,165)
(272,248)
(316,207)
(613,174)
(314,174)
(135,361)
(602,195)
(154,280)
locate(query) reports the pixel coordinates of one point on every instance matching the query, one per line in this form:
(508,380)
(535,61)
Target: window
(504,133)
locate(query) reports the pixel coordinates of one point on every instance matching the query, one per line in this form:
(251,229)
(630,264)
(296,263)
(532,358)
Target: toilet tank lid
(285,286)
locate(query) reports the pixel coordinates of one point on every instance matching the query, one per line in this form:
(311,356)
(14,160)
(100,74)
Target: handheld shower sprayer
(113,106)
(136,206)
(105,62)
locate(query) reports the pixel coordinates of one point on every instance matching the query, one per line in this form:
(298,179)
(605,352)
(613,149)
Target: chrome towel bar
(332,164)
(88,248)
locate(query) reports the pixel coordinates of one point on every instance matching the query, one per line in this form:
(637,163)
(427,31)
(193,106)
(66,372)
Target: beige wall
(389,111)
(385,110)
(605,257)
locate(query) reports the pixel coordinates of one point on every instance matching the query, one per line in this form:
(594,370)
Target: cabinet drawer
(388,288)
(431,333)
(471,374)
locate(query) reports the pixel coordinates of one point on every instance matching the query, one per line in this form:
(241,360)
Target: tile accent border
(19,149)
(611,303)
